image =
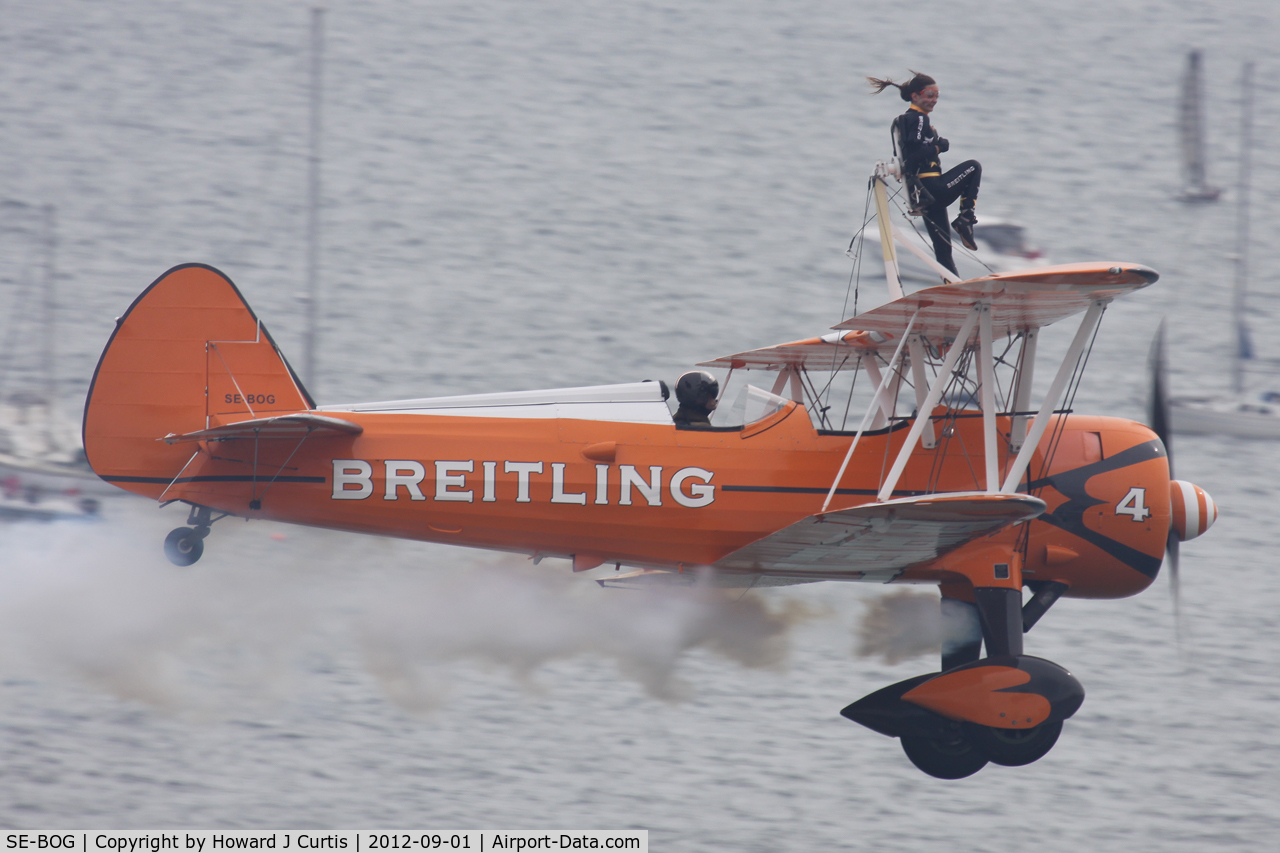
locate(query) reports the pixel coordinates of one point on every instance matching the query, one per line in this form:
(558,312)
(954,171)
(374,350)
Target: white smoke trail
(93,601)
(905,624)
(521,619)
(99,603)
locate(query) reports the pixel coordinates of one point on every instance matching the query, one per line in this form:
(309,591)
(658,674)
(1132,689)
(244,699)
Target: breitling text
(462,480)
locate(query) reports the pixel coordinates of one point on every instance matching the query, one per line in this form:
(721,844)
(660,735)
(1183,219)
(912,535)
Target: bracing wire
(817,395)
(943,437)
(854,286)
(844,419)
(928,241)
(960,377)
(1004,398)
(855,274)
(834,372)
(897,390)
(1073,387)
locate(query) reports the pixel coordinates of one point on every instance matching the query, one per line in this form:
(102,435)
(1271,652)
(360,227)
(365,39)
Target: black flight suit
(921,146)
(692,416)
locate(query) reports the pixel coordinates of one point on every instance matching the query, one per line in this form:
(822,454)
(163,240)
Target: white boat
(1002,247)
(29,504)
(1195,182)
(1242,417)
(40,450)
(1242,413)
(42,454)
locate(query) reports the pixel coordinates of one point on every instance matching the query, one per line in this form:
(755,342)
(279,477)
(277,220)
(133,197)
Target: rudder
(187,355)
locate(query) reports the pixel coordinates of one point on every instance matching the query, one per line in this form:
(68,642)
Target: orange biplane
(971,489)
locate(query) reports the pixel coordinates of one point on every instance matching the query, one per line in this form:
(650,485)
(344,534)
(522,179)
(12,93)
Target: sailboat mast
(50,306)
(1193,176)
(1244,348)
(313,198)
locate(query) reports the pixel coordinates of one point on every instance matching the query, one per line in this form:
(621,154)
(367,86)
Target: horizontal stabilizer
(880,540)
(282,426)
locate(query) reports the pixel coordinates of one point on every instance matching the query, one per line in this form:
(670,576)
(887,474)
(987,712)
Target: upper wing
(1021,300)
(282,426)
(880,539)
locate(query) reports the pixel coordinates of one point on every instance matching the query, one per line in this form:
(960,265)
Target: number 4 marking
(1134,505)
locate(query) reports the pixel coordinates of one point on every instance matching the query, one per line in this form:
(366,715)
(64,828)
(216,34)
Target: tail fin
(189,354)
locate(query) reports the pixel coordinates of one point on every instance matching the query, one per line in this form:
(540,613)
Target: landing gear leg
(963,641)
(1045,594)
(1003,623)
(1006,708)
(1000,610)
(184,545)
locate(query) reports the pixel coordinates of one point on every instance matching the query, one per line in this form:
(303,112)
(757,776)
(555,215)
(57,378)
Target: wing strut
(947,275)
(921,381)
(873,408)
(1022,390)
(931,400)
(987,387)
(885,410)
(890,232)
(1087,327)
(886,232)
(789,373)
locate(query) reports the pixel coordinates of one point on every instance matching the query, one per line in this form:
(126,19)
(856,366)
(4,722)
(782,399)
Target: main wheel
(183,546)
(944,758)
(1016,747)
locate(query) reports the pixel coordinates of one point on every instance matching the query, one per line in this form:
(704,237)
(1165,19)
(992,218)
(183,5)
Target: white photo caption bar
(305,841)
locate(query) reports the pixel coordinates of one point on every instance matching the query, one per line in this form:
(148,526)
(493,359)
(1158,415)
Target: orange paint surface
(190,355)
(974,695)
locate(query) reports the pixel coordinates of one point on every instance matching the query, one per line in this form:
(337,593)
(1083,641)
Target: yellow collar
(917,109)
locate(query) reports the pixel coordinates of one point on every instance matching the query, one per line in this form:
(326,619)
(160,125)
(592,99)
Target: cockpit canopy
(750,404)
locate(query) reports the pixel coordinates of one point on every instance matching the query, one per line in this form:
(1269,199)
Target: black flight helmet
(698,389)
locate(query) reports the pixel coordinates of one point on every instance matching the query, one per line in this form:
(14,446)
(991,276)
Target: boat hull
(51,478)
(1241,418)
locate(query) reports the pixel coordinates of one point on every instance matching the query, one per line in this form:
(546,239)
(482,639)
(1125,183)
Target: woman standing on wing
(920,146)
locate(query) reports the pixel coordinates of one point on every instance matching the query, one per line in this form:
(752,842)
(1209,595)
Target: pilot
(698,393)
(931,189)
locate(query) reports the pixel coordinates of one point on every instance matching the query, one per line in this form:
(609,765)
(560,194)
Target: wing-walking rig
(956,474)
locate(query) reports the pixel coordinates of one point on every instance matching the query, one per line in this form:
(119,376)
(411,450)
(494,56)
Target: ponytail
(917,83)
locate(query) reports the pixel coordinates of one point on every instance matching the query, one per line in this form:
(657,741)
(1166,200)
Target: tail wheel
(954,757)
(183,546)
(1015,747)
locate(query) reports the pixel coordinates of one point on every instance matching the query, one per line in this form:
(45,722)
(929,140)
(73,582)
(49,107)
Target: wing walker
(954,476)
